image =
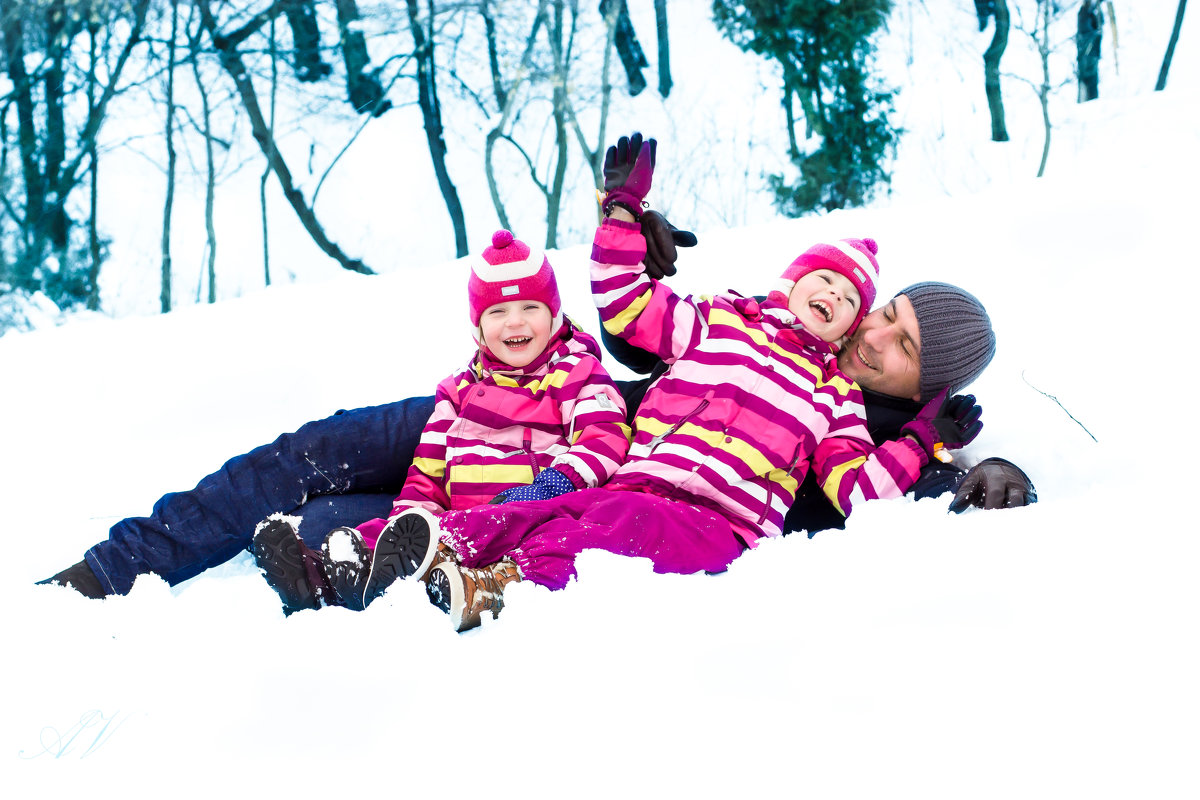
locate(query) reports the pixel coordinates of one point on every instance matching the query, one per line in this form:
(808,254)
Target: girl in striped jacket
(533,415)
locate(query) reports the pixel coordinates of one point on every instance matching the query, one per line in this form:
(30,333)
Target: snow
(1039,652)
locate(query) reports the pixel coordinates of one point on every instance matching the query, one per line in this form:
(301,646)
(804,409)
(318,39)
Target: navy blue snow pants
(341,470)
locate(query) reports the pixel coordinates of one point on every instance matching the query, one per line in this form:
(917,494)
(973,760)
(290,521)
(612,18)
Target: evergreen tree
(825,50)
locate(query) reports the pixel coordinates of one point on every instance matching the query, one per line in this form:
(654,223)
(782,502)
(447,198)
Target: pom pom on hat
(510,270)
(851,258)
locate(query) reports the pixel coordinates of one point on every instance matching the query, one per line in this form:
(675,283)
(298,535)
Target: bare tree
(1047,12)
(998,10)
(664,48)
(226,46)
(431,113)
(1166,65)
(50,171)
(169,137)
(1089,33)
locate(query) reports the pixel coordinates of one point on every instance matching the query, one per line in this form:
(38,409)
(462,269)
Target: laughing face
(826,302)
(516,332)
(884,354)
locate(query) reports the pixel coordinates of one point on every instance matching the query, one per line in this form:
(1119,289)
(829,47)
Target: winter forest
(142,140)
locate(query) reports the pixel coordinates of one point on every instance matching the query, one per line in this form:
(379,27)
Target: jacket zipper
(657,440)
(767,507)
(527,443)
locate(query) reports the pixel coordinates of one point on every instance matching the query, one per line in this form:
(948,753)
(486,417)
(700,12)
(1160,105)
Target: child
(534,415)
(721,440)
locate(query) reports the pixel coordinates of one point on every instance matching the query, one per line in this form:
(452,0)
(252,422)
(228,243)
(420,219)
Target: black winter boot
(81,578)
(407,546)
(346,561)
(290,567)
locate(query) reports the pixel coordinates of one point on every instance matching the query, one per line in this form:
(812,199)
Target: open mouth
(518,341)
(863,358)
(823,309)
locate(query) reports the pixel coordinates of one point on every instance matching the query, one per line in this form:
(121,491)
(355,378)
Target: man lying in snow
(349,467)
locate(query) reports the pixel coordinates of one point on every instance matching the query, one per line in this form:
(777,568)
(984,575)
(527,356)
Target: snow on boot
(282,556)
(466,593)
(406,546)
(80,577)
(346,560)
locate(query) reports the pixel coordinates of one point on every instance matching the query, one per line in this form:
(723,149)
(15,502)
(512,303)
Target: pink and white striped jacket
(750,399)
(494,427)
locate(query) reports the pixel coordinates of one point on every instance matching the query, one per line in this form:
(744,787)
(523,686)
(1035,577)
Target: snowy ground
(1040,652)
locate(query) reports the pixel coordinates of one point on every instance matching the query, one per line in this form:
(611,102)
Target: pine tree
(825,49)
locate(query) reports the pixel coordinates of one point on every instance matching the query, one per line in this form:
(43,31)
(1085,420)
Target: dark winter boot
(81,578)
(290,567)
(465,593)
(406,546)
(346,560)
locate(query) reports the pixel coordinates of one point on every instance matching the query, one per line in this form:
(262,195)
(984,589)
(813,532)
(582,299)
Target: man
(347,468)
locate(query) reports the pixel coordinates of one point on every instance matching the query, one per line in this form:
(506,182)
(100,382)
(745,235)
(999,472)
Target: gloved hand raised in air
(546,484)
(946,423)
(661,240)
(628,169)
(994,483)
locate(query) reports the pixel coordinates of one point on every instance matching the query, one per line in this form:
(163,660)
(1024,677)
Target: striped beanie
(852,258)
(510,270)
(957,341)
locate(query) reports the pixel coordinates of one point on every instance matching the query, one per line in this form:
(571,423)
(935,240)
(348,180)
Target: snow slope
(1039,652)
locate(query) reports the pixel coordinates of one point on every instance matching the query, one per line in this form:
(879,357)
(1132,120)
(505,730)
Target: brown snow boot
(466,593)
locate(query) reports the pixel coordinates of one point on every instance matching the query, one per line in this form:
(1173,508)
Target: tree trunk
(210,184)
(506,113)
(489,27)
(93,279)
(559,95)
(302,19)
(431,113)
(1043,42)
(1166,65)
(664,49)
(30,255)
(1089,32)
(169,133)
(365,91)
(231,62)
(991,71)
(55,152)
(628,48)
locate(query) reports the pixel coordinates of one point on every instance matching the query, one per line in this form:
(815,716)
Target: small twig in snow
(1060,405)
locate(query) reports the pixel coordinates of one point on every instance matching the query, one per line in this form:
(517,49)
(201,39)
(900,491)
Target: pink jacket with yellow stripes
(494,427)
(750,399)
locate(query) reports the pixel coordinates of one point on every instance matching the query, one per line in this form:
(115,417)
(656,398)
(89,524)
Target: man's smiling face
(884,354)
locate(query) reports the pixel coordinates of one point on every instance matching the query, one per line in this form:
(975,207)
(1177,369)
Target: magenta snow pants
(545,536)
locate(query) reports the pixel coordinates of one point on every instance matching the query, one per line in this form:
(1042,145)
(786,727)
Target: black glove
(946,423)
(661,240)
(994,483)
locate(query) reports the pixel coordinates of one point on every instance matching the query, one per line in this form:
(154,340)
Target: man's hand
(994,483)
(628,170)
(547,484)
(946,423)
(661,240)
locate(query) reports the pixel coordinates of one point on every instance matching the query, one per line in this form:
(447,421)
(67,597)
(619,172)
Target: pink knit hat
(853,258)
(510,270)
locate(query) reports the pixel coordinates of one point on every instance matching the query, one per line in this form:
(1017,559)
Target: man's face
(884,354)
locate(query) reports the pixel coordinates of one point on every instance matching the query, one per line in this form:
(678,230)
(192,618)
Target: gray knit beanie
(956,336)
